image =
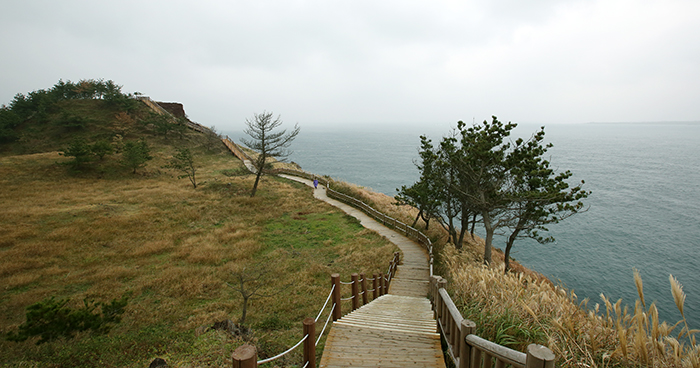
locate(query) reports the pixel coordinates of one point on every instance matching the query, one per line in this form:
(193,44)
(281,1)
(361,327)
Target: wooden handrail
(468,350)
(380,286)
(239,153)
(486,347)
(246,355)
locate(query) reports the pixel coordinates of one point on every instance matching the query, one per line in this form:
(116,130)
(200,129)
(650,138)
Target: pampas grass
(605,335)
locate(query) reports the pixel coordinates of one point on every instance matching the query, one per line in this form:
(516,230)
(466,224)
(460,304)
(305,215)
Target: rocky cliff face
(175,108)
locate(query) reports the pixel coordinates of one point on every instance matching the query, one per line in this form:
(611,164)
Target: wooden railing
(302,174)
(387,221)
(358,287)
(468,350)
(458,331)
(237,151)
(464,347)
(246,355)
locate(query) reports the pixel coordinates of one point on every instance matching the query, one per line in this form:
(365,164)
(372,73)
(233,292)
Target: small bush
(72,122)
(135,154)
(102,148)
(52,319)
(81,152)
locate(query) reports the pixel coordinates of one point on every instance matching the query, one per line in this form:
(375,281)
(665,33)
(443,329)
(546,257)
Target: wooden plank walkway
(391,331)
(395,330)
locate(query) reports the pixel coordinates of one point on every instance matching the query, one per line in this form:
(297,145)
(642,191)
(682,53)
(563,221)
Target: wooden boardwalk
(391,331)
(395,330)
(398,329)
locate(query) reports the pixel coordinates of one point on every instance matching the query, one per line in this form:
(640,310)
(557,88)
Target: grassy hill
(176,252)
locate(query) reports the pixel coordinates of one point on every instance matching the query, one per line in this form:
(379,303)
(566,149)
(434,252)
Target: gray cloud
(319,62)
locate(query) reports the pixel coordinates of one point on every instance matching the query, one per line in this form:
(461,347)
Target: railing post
(390,272)
(397,258)
(433,287)
(467,328)
(335,283)
(385,284)
(449,324)
(310,343)
(438,299)
(375,286)
(363,286)
(431,292)
(443,308)
(539,356)
(355,291)
(245,356)
(475,360)
(431,262)
(454,333)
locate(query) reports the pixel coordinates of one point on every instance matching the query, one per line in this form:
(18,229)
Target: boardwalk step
(391,331)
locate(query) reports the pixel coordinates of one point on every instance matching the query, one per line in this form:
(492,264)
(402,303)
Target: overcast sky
(344,62)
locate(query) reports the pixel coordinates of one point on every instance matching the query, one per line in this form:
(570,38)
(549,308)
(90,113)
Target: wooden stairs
(394,330)
(391,331)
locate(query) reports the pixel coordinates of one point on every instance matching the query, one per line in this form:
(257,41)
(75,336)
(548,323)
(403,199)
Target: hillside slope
(103,232)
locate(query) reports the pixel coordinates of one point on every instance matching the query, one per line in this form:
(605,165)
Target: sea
(643,213)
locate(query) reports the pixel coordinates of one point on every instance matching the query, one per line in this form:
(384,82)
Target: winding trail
(395,330)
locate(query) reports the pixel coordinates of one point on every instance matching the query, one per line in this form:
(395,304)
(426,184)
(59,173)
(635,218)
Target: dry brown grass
(173,248)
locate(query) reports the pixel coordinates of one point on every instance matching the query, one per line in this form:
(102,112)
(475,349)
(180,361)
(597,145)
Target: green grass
(302,230)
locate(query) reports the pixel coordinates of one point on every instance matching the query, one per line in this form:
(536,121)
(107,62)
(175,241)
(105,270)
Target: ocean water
(644,210)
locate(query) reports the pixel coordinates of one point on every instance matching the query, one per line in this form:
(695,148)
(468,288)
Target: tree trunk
(473,225)
(260,166)
(511,240)
(509,245)
(427,221)
(462,230)
(244,311)
(255,186)
(420,212)
(450,224)
(453,233)
(488,226)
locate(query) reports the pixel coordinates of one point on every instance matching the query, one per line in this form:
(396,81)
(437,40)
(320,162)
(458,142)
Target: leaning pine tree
(267,143)
(537,195)
(477,171)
